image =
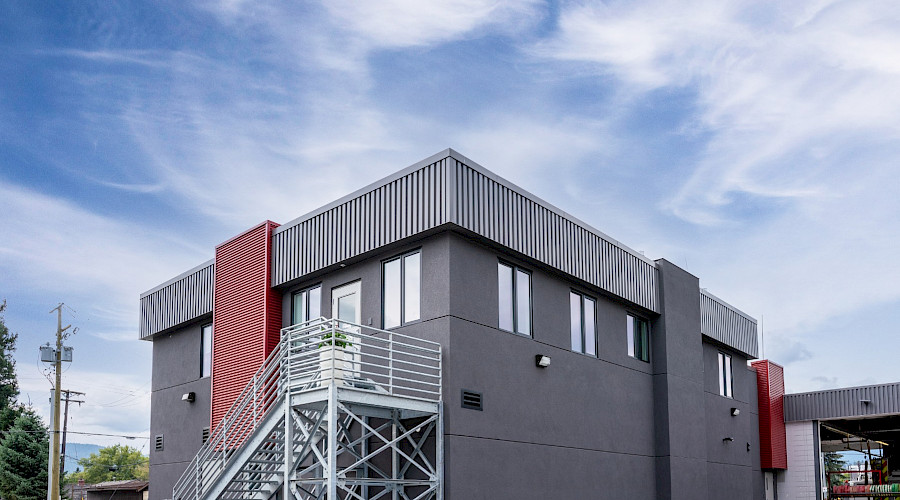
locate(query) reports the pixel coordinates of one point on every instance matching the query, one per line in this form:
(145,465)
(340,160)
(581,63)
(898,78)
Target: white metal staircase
(358,408)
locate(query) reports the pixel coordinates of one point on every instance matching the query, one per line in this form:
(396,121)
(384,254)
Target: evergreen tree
(115,462)
(9,386)
(23,459)
(835,462)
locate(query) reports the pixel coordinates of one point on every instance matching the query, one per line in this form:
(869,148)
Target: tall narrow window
(306,305)
(638,333)
(725,381)
(402,289)
(515,299)
(583,310)
(205,350)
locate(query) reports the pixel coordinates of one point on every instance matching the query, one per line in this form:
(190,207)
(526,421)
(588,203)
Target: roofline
(180,276)
(841,389)
(704,291)
(451,153)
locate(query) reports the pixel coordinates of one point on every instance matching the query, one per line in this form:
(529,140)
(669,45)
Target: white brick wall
(798,482)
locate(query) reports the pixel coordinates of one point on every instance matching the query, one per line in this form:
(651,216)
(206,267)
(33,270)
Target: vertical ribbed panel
(770,393)
(403,207)
(723,322)
(512,219)
(843,403)
(246,317)
(182,299)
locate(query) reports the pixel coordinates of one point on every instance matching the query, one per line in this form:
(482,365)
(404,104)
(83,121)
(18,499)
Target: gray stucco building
(647,393)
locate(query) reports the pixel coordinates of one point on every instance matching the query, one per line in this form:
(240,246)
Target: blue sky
(754,143)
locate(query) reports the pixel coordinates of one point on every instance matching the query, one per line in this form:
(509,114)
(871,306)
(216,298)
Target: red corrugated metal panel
(772,437)
(246,314)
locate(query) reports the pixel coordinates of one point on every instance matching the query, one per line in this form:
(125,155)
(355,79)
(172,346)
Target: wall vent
(158,443)
(472,400)
(205,435)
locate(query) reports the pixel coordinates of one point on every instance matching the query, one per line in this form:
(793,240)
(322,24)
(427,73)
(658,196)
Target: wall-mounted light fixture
(542,361)
(189,397)
(735,412)
(865,401)
(727,439)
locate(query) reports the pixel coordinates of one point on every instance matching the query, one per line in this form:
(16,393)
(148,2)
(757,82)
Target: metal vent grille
(472,400)
(158,443)
(205,435)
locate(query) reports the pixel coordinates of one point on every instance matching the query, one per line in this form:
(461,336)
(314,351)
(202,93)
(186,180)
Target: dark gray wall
(608,426)
(582,428)
(176,371)
(734,468)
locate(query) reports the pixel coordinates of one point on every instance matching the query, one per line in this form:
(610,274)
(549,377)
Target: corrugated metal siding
(772,435)
(247,315)
(184,299)
(512,219)
(843,403)
(449,190)
(403,207)
(722,322)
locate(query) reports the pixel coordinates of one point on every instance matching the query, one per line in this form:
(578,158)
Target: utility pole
(53,486)
(62,449)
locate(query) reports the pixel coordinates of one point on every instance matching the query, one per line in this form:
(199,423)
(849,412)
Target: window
(402,289)
(638,338)
(306,305)
(725,381)
(583,310)
(515,299)
(205,350)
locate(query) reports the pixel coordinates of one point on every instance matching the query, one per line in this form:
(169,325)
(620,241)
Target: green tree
(9,386)
(835,462)
(23,459)
(116,462)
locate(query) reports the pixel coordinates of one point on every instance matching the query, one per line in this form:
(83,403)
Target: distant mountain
(76,451)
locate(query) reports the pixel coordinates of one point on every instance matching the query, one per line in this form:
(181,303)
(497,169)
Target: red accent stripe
(246,314)
(772,437)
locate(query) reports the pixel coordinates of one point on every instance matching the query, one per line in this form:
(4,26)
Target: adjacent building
(567,364)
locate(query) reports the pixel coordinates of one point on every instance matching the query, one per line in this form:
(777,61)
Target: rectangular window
(402,289)
(306,305)
(515,299)
(205,350)
(638,333)
(583,310)
(725,381)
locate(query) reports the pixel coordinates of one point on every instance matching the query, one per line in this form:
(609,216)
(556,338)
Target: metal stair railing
(241,420)
(310,356)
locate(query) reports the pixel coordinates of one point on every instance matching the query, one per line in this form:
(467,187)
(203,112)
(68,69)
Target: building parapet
(182,299)
(845,402)
(725,323)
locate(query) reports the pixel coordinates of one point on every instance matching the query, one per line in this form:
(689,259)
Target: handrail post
(391,362)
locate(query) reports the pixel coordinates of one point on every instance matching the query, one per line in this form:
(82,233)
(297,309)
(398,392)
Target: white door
(770,486)
(345,306)
(345,302)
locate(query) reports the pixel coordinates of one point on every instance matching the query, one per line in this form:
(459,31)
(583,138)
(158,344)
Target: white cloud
(408,23)
(795,192)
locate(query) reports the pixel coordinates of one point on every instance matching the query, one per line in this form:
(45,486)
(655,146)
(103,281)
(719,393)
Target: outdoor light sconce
(189,397)
(727,440)
(542,361)
(735,412)
(865,401)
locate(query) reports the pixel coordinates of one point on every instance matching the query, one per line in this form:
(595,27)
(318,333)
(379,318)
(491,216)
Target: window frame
(583,297)
(307,300)
(206,371)
(514,295)
(402,299)
(631,340)
(726,376)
